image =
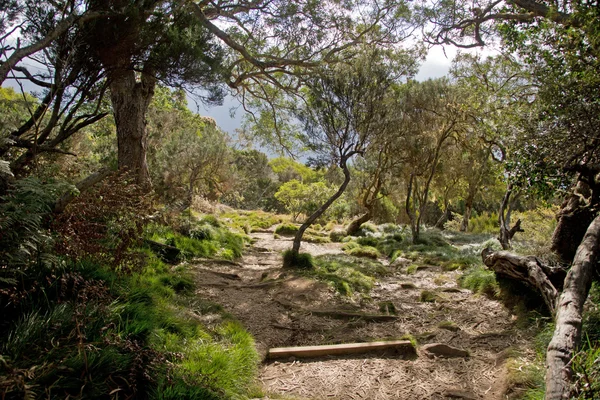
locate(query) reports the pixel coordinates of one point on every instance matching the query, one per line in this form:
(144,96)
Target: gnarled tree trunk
(506,232)
(529,270)
(569,309)
(573,220)
(355,225)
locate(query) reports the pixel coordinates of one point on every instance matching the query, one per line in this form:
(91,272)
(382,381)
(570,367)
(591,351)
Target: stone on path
(443,350)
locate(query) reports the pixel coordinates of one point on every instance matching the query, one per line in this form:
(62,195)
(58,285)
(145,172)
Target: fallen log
(401,346)
(528,270)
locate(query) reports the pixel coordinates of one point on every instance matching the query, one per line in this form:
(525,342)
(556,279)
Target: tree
(70,90)
(346,109)
(268,44)
(189,154)
(559,41)
(434,118)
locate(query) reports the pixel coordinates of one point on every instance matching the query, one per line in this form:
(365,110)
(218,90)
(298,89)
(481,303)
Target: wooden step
(401,346)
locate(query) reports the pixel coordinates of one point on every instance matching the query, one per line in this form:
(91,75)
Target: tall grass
(127,333)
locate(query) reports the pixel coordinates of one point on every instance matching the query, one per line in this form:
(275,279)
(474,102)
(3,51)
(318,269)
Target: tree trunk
(573,220)
(506,232)
(357,223)
(567,334)
(324,207)
(130,100)
(464,225)
(443,218)
(410,211)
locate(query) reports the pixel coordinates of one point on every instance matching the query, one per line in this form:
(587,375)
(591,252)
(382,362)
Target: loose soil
(272,304)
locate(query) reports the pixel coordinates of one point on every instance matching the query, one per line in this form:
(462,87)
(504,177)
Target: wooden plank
(403,346)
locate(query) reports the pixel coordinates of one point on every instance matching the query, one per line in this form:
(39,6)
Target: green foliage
(286,229)
(111,331)
(24,210)
(250,221)
(480,280)
(206,238)
(288,169)
(367,228)
(484,223)
(367,241)
(292,259)
(300,198)
(364,251)
(348,274)
(411,269)
(527,377)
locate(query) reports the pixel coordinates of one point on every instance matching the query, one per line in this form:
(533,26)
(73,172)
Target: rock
(452,290)
(407,285)
(400,262)
(443,350)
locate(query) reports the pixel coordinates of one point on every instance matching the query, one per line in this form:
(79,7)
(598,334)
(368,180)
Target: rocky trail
(282,308)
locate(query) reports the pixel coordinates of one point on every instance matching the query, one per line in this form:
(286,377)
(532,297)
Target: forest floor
(275,306)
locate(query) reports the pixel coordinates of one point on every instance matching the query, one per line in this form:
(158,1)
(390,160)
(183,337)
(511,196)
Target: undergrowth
(92,331)
(348,274)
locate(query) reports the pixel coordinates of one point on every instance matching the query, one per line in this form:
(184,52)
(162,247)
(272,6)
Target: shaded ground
(272,304)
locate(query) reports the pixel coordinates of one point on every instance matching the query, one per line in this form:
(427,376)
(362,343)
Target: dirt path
(271,303)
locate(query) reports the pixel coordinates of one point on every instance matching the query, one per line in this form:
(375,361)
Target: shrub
(350,245)
(337,236)
(366,229)
(292,259)
(286,229)
(315,239)
(484,223)
(210,220)
(367,241)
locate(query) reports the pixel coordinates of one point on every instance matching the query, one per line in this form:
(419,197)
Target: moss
(411,269)
(364,251)
(427,296)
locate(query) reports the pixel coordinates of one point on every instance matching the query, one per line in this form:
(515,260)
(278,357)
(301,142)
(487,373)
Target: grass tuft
(292,259)
(480,280)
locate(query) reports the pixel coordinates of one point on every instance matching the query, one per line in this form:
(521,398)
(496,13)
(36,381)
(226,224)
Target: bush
(484,223)
(337,236)
(366,229)
(210,220)
(292,259)
(367,241)
(287,229)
